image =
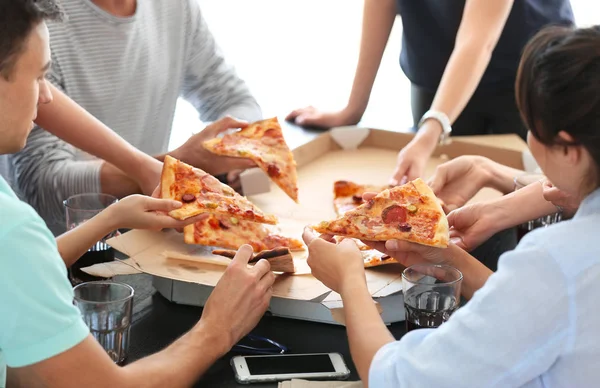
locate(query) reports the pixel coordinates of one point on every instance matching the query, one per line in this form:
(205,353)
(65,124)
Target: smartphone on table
(269,368)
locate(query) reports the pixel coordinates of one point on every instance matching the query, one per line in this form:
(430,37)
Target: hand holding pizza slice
(409,212)
(202,193)
(262,142)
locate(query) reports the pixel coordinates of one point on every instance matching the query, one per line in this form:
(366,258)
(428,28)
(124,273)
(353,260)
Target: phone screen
(277,365)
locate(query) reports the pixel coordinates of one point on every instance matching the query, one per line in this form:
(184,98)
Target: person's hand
(150,176)
(567,203)
(240,298)
(472,225)
(412,159)
(312,117)
(142,212)
(408,253)
(457,181)
(194,153)
(335,265)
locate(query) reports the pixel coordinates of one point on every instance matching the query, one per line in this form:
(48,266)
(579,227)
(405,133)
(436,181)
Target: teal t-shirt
(37,317)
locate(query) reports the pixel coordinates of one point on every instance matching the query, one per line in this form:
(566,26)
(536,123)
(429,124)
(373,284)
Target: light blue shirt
(535,323)
(37,317)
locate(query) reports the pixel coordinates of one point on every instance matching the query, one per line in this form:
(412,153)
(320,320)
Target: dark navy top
(430,28)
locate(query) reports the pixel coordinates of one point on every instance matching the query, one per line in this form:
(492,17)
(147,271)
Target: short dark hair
(17,19)
(558,88)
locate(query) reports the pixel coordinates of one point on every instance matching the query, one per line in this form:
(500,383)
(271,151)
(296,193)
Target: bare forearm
(67,120)
(75,242)
(530,203)
(115,182)
(475,274)
(366,331)
(502,177)
(378,20)
(181,364)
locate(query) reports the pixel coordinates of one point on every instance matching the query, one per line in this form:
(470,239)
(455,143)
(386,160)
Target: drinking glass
(106,309)
(431,294)
(79,209)
(542,222)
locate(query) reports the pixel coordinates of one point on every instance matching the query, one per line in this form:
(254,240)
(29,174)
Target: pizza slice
(200,192)
(374,258)
(409,212)
(348,195)
(231,233)
(262,142)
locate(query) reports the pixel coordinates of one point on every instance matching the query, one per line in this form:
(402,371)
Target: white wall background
(294,53)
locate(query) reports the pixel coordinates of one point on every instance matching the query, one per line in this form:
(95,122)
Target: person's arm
(520,206)
(361,316)
(235,306)
(480,29)
(210,84)
(71,123)
(463,351)
(179,365)
(377,22)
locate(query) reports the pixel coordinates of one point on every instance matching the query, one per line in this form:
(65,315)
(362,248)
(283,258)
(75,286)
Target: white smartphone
(266,368)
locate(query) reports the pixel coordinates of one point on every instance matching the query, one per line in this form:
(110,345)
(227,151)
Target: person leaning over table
(534,322)
(43,339)
(457,181)
(127,63)
(461,58)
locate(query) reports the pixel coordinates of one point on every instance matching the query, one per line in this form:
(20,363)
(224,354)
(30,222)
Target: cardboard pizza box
(186,274)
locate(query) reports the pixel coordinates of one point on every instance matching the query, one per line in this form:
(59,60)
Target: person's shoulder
(19,217)
(572,244)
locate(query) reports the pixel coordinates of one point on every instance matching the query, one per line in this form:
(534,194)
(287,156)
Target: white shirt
(535,323)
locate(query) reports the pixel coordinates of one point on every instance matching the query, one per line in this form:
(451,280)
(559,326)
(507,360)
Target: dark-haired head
(558,94)
(24,62)
(17,20)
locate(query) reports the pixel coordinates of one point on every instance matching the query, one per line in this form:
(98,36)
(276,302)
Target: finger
(308,235)
(226,124)
(438,180)
(194,219)
(243,255)
(403,246)
(349,243)
(307,119)
(328,237)
(261,268)
(368,196)
(162,205)
(156,193)
(459,242)
(266,282)
(378,245)
(295,113)
(399,175)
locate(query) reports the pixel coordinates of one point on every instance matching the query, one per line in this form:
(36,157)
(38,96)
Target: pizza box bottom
(194,294)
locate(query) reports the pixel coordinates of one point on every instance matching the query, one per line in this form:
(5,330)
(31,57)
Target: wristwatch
(444,122)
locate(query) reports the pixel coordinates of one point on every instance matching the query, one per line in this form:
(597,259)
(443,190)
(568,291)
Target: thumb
(307,118)
(243,255)
(399,175)
(438,180)
(163,205)
(403,246)
(225,124)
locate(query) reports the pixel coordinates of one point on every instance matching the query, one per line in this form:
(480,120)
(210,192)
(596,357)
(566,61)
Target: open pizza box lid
(187,273)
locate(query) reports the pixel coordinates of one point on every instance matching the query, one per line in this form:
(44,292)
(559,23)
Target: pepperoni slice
(404,227)
(187,198)
(393,214)
(357,198)
(273,170)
